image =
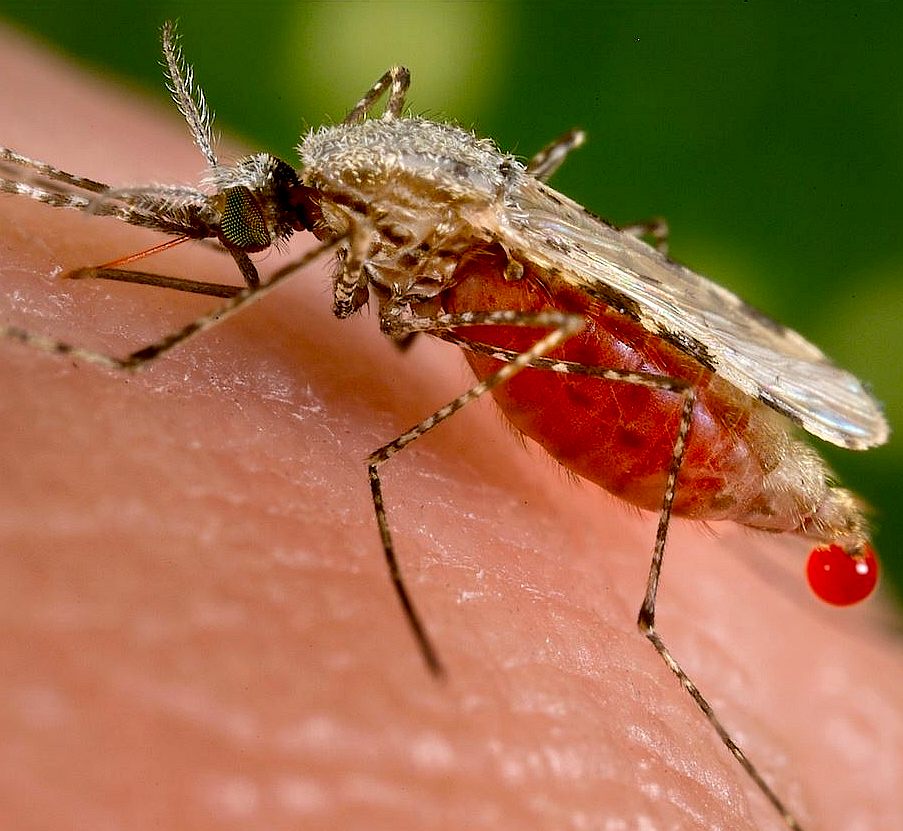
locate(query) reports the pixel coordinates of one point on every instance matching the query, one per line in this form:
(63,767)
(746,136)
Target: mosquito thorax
(405,162)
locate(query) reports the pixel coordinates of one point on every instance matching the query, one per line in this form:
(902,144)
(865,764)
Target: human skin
(198,627)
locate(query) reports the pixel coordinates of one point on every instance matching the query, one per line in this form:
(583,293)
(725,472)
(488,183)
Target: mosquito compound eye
(840,578)
(243,225)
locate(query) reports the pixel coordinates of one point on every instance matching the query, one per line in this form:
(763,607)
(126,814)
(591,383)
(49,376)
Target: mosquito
(629,369)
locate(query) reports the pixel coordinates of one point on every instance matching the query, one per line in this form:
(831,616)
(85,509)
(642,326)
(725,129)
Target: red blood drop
(840,578)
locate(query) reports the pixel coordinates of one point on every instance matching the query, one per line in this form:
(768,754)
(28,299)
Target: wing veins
(757,355)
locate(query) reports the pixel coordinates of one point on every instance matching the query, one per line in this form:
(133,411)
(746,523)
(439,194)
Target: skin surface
(198,629)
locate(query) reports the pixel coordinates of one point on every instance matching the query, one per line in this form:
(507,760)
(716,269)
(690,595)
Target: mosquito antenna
(189,99)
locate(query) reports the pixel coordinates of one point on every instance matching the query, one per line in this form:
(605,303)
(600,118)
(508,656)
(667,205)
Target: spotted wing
(760,357)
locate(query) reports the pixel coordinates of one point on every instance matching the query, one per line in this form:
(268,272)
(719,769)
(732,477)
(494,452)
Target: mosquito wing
(757,355)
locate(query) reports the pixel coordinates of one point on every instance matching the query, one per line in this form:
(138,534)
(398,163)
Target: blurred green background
(769,135)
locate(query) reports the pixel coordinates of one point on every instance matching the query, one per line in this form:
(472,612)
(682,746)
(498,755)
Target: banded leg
(646,617)
(646,622)
(351,286)
(642,379)
(396,324)
(398,79)
(141,357)
(547,161)
(544,164)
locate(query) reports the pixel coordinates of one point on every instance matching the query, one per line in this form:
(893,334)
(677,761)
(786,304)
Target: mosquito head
(260,201)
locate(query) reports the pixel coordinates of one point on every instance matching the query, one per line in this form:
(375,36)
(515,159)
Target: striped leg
(396,80)
(141,357)
(544,164)
(444,327)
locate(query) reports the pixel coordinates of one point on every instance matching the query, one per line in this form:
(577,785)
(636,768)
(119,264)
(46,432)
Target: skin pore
(199,628)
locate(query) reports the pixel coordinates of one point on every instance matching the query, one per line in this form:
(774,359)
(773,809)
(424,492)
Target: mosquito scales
(631,370)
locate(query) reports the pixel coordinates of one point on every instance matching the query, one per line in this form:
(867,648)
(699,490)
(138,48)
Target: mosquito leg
(350,290)
(642,379)
(147,354)
(395,324)
(398,79)
(401,80)
(646,618)
(656,229)
(552,156)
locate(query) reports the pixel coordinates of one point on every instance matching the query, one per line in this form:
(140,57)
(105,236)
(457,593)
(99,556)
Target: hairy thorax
(422,192)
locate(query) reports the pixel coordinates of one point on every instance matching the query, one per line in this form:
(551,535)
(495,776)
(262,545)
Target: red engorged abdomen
(616,434)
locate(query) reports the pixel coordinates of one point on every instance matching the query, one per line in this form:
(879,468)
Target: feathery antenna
(189,99)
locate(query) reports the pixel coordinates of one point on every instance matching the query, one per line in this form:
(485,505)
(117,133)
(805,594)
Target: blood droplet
(840,578)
